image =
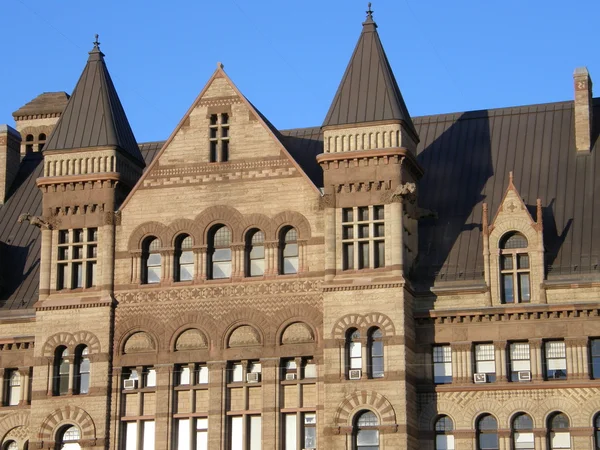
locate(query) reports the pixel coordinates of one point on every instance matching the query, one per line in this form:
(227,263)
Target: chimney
(10,158)
(583,110)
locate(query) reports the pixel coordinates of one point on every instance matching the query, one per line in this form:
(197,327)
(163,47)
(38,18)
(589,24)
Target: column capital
(535,343)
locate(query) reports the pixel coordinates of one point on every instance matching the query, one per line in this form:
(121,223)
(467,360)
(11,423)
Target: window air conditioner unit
(129,384)
(290,376)
(253,377)
(524,375)
(480,378)
(355,374)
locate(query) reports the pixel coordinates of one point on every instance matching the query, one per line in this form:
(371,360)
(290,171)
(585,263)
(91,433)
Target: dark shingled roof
(94,116)
(368,91)
(46,103)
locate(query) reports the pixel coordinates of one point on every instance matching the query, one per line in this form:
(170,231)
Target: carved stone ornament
(112,218)
(326,201)
(406,191)
(40,221)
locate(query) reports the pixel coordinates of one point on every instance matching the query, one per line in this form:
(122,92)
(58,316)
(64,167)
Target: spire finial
(96,43)
(369,12)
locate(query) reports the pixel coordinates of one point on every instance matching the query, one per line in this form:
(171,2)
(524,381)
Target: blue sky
(288,56)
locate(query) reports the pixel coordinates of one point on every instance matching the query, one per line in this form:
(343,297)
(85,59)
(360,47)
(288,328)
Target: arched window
(68,438)
(29,143)
(514,269)
(41,141)
(14,388)
(522,432)
(559,436)
(219,253)
(353,354)
(288,251)
(366,434)
(151,260)
(82,370)
(597,432)
(61,371)
(11,445)
(255,253)
(375,357)
(487,433)
(184,258)
(444,438)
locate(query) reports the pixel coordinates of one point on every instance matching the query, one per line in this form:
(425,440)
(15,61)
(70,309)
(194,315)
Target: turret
(370,167)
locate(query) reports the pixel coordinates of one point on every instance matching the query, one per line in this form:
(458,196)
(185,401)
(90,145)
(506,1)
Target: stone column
(136,266)
(216,410)
(461,361)
(164,400)
(500,356)
(24,374)
(330,242)
(270,417)
(71,359)
(237,261)
(540,438)
(577,368)
(106,253)
(535,352)
(200,253)
(396,245)
(302,263)
(46,261)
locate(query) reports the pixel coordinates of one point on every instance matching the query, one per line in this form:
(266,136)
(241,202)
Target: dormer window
(218,137)
(514,269)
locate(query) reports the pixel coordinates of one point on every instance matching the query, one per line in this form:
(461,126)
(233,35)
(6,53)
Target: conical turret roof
(368,91)
(94,116)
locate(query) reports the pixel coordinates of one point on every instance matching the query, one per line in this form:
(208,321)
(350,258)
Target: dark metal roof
(368,91)
(466,158)
(94,116)
(46,103)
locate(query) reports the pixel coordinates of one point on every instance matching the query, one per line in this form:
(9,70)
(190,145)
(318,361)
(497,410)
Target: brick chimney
(583,109)
(10,143)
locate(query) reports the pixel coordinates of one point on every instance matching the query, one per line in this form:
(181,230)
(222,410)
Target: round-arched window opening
(444,439)
(68,438)
(11,445)
(514,239)
(559,436)
(366,434)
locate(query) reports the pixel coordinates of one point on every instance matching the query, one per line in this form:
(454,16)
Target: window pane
(131,436)
(524,440)
(148,428)
(363,213)
(488,441)
(378,212)
(363,231)
(348,255)
(507,262)
(290,265)
(290,432)
(379,254)
(508,289)
(238,372)
(257,267)
(154,259)
(257,252)
(561,440)
(154,274)
(367,437)
(363,255)
(186,257)
(151,378)
(377,367)
(77,275)
(524,287)
(221,270)
(348,232)
(84,380)
(255,433)
(184,376)
(523,261)
(290,250)
(183,434)
(514,240)
(186,272)
(379,230)
(222,254)
(355,349)
(347,215)
(202,375)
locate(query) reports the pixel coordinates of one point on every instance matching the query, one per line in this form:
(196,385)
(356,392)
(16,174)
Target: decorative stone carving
(244,335)
(190,340)
(39,221)
(139,342)
(296,333)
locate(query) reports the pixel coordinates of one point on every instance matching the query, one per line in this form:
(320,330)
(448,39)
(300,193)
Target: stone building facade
(377,282)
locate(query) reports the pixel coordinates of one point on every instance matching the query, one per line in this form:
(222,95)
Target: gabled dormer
(513,247)
(369,167)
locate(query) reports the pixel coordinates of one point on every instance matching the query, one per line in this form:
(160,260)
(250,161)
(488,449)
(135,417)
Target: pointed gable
(368,91)
(94,116)
(512,208)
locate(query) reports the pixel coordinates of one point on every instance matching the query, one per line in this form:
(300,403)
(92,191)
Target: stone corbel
(45,223)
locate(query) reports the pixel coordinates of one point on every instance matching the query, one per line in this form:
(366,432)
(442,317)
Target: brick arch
(346,322)
(571,408)
(590,409)
(12,421)
(298,313)
(359,400)
(436,409)
(181,226)
(476,408)
(67,415)
(261,222)
(88,339)
(380,320)
(147,229)
(246,316)
(220,214)
(56,340)
(514,406)
(294,219)
(139,323)
(519,225)
(184,322)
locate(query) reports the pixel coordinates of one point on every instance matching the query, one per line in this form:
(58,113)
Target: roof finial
(369,12)
(96,43)
(510,177)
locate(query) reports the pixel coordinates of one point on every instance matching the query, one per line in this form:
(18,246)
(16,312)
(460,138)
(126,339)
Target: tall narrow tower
(91,161)
(371,178)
